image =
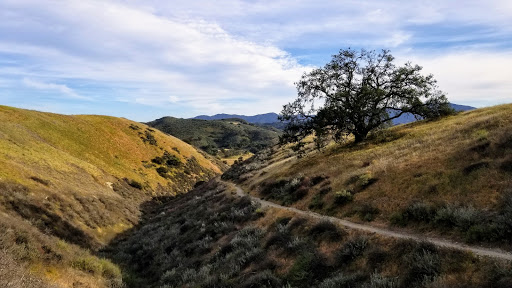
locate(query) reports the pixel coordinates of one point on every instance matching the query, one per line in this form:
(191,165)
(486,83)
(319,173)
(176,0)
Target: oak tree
(358,92)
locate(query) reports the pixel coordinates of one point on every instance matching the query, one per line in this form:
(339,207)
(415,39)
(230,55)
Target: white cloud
(62,89)
(142,53)
(231,55)
(473,77)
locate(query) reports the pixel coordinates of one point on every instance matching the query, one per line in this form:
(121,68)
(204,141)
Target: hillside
(210,237)
(225,138)
(449,177)
(70,184)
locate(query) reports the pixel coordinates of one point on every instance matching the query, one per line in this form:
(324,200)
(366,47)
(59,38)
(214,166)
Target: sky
(145,59)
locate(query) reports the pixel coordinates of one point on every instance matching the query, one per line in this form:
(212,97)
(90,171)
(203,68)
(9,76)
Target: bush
(265,279)
(135,184)
(378,281)
(367,212)
(316,202)
(343,197)
(325,230)
(306,268)
(416,212)
(351,250)
(162,171)
(341,280)
(423,267)
(460,217)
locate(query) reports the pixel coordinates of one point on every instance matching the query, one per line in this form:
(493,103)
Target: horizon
(144,60)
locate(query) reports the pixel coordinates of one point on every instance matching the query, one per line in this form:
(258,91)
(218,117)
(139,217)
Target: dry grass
(459,160)
(80,180)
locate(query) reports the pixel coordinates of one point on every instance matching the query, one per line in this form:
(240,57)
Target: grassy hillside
(452,176)
(69,184)
(225,138)
(210,238)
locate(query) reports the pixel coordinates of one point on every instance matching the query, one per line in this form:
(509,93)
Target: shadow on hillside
(51,223)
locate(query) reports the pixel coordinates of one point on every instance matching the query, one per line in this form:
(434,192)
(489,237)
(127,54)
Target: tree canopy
(357,92)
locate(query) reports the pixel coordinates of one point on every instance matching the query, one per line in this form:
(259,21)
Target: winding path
(494,253)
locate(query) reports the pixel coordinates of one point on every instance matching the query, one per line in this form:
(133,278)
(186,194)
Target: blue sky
(144,59)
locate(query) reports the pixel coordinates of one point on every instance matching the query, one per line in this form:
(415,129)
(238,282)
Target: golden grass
(232,159)
(64,176)
(425,161)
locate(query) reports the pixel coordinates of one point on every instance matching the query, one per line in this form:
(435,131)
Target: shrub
(265,279)
(423,267)
(367,212)
(378,281)
(325,230)
(162,171)
(417,212)
(135,184)
(341,280)
(316,202)
(306,268)
(460,217)
(342,197)
(351,250)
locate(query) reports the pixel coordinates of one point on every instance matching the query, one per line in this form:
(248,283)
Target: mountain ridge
(269,118)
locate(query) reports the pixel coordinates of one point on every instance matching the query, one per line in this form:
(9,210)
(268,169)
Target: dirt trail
(494,253)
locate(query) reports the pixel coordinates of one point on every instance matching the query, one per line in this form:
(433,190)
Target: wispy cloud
(203,57)
(60,88)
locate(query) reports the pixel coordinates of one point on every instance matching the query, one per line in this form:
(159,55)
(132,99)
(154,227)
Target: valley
(94,201)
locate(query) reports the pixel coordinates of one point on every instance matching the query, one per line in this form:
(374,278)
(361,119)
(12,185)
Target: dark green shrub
(367,212)
(307,268)
(416,212)
(135,184)
(343,197)
(378,281)
(316,202)
(325,230)
(162,171)
(341,280)
(423,266)
(265,279)
(351,250)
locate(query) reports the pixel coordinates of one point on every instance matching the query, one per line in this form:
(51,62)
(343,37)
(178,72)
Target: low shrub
(366,212)
(342,280)
(135,184)
(265,279)
(306,268)
(325,230)
(423,267)
(379,281)
(351,250)
(343,197)
(316,202)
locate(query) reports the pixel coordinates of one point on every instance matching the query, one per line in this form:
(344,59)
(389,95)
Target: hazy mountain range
(268,118)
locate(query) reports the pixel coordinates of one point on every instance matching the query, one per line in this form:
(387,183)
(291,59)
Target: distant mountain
(408,118)
(256,119)
(270,119)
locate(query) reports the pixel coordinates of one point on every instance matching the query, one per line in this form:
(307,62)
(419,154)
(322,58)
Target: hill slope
(71,183)
(451,176)
(228,137)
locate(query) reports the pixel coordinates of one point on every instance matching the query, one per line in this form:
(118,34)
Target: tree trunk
(360,136)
